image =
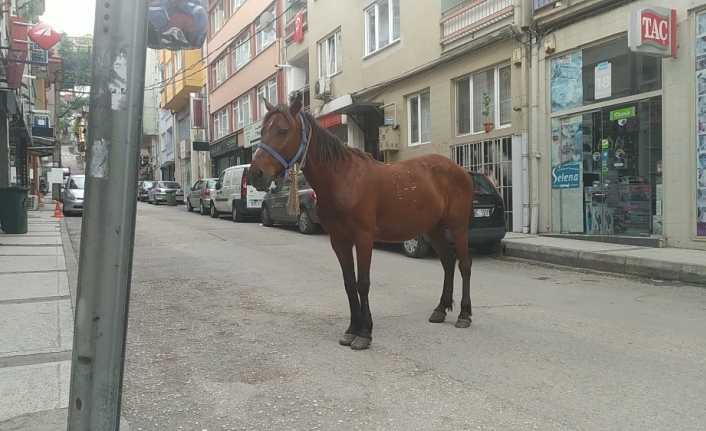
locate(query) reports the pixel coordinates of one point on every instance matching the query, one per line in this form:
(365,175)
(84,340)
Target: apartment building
(243,47)
(402,78)
(619,121)
(181,126)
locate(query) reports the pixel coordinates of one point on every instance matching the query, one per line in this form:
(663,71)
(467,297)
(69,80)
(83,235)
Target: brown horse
(361,200)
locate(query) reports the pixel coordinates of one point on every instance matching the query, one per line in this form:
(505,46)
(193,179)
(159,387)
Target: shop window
(496,83)
(419,118)
(382,25)
(622,73)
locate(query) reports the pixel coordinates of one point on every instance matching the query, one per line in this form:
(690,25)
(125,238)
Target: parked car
(72,196)
(143,188)
(158,192)
(235,195)
(274,207)
(487,229)
(200,195)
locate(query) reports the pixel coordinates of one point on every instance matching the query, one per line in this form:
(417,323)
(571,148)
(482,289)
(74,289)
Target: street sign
(44,35)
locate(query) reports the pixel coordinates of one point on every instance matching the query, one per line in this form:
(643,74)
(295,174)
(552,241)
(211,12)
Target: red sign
(43,35)
(298,26)
(18,52)
(653,30)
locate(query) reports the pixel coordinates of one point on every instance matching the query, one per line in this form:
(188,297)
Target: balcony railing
(289,27)
(474,16)
(542,4)
(538,4)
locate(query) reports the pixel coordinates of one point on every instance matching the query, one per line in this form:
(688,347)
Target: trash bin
(171,198)
(13,209)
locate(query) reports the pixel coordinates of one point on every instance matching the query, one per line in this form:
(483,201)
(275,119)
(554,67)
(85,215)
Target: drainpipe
(534,137)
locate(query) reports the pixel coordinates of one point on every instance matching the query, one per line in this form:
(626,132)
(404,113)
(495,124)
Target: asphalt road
(236,326)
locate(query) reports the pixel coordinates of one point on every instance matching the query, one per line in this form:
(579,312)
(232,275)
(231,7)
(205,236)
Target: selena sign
(566,176)
(653,30)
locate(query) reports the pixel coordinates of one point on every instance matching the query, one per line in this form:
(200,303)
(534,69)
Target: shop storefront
(226,153)
(606,141)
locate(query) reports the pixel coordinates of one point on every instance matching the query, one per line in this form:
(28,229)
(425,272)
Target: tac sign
(177,24)
(653,30)
(43,35)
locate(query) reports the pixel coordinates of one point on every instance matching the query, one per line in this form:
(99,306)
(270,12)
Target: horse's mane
(329,147)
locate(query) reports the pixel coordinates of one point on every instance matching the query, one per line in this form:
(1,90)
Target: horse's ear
(296,105)
(268,105)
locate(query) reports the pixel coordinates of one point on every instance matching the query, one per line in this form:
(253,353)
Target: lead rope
(293,200)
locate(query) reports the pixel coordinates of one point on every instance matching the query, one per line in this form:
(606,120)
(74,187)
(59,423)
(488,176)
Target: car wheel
(214,211)
(488,248)
(237,215)
(202,208)
(416,247)
(306,225)
(189,208)
(265,216)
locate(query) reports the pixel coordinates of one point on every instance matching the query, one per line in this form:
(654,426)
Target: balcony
(471,16)
(190,79)
(289,27)
(549,12)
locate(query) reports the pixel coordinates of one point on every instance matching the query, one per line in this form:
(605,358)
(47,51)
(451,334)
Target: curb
(71,261)
(607,262)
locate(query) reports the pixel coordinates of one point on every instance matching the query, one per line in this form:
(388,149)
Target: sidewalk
(673,264)
(36,321)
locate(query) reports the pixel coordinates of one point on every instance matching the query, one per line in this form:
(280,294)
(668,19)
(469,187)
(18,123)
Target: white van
(235,195)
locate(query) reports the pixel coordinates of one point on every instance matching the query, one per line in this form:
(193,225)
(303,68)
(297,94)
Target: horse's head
(282,143)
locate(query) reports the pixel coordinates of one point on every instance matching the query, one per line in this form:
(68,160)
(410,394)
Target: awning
(42,147)
(360,108)
(330,120)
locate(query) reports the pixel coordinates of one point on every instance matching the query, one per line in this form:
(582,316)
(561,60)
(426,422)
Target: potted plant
(486,112)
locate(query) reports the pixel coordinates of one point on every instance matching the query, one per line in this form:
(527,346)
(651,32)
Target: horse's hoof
(437,317)
(346,339)
(463,323)
(361,343)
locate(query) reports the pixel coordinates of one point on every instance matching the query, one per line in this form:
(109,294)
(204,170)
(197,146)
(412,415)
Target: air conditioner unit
(389,138)
(32,203)
(322,88)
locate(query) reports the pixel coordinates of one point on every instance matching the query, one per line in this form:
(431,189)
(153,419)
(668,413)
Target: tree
(76,52)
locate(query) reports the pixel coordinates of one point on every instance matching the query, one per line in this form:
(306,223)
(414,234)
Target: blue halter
(297,156)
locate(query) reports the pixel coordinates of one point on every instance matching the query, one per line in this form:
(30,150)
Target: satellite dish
(266,20)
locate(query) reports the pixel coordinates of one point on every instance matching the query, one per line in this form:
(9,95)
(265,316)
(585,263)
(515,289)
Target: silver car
(72,198)
(200,195)
(158,192)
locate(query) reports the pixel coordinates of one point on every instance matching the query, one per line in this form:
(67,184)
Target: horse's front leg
(364,253)
(344,252)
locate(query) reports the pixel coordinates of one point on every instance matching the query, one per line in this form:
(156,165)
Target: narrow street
(236,326)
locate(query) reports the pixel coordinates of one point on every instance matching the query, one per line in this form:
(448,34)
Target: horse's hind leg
(437,238)
(459,232)
(344,252)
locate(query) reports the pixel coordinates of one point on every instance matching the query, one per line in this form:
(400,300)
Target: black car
(274,207)
(487,229)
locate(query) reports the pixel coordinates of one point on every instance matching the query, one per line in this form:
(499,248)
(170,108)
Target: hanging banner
(701,124)
(567,154)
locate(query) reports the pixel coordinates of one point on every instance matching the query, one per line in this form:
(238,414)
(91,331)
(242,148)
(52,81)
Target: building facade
(181,124)
(454,85)
(619,126)
(243,50)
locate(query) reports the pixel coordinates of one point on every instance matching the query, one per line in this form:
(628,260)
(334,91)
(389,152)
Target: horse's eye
(283,132)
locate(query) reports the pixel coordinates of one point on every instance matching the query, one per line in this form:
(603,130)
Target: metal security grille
(494,159)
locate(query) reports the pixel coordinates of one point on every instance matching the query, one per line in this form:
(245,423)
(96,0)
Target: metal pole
(108,231)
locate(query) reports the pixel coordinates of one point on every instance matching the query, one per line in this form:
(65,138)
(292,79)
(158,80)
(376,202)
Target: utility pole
(108,232)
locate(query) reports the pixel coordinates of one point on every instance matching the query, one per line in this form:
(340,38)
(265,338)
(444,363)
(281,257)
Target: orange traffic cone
(57,211)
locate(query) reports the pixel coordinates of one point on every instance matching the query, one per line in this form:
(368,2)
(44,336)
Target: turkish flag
(299,26)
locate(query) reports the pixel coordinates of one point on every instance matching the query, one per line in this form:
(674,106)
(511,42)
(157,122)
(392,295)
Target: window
(218,17)
(177,61)
(382,25)
(241,51)
(264,36)
(267,90)
(235,4)
(169,70)
(242,112)
(419,118)
(496,82)
(220,123)
(220,71)
(330,55)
